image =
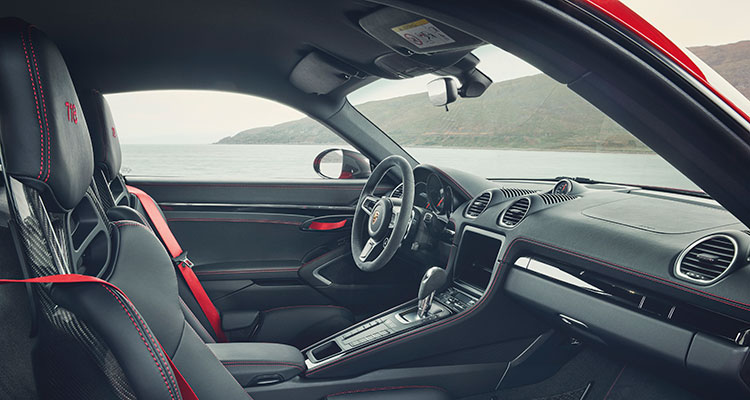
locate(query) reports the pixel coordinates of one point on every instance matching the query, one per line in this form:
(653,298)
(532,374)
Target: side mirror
(442,91)
(341,164)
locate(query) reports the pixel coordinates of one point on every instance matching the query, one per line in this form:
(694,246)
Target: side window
(217,135)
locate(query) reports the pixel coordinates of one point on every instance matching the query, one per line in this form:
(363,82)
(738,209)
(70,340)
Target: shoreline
(408,148)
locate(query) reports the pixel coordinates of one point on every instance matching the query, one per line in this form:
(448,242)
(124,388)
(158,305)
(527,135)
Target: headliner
(231,45)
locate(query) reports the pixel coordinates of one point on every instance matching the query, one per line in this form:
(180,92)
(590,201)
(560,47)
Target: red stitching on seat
(44,105)
(133,223)
(38,114)
(161,371)
(241,363)
(387,388)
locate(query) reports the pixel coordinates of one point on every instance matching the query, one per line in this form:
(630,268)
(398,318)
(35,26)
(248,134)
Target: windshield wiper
(687,192)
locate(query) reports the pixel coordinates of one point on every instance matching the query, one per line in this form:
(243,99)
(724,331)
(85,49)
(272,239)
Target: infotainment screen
(477,256)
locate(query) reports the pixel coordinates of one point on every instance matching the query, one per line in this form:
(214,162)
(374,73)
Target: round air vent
(478,205)
(514,214)
(707,260)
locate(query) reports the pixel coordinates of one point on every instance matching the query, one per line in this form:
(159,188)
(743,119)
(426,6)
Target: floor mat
(586,369)
(578,394)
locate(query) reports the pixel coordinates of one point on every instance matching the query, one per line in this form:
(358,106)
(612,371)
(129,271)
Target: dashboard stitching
(494,281)
(466,193)
(644,275)
(426,329)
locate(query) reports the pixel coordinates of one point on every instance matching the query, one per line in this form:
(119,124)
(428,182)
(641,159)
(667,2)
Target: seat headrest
(44,135)
(107,153)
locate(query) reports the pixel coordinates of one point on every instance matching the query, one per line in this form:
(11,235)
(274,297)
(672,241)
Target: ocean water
(251,162)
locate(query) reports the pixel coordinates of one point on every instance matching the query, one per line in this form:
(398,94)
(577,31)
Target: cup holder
(326,350)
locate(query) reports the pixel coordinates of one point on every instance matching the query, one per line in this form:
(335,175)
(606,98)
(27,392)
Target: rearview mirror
(442,91)
(341,164)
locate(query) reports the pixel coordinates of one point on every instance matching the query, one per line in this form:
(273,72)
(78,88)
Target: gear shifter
(432,280)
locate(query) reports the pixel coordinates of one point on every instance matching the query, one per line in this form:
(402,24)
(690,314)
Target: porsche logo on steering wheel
(375,216)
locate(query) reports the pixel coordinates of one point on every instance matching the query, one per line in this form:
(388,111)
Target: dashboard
(661,273)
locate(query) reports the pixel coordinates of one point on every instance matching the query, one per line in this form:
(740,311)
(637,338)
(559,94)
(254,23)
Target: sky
(194,117)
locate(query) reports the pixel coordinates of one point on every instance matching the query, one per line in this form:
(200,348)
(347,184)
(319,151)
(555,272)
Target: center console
(258,364)
(476,261)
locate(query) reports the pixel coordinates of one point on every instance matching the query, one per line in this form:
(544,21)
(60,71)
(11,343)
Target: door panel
(263,245)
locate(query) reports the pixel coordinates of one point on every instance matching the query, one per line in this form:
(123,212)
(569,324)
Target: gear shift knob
(432,280)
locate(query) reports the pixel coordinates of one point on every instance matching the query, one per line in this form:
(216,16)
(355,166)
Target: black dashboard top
(625,233)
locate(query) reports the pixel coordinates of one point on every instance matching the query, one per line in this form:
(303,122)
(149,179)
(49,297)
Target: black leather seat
(95,341)
(297,326)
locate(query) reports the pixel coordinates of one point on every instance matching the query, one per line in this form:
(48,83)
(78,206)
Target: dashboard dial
(562,187)
(436,194)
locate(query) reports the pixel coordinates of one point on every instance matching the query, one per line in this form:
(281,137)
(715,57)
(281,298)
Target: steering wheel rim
(372,222)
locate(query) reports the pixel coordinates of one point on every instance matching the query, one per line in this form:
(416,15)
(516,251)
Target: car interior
(393,280)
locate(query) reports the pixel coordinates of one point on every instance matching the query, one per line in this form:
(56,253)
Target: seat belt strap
(186,391)
(181,261)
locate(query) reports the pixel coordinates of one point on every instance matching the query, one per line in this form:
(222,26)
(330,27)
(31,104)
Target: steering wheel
(381,223)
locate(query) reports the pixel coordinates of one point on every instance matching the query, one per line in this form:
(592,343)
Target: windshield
(527,125)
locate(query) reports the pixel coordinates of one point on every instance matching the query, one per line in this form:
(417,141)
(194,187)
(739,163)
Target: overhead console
(419,45)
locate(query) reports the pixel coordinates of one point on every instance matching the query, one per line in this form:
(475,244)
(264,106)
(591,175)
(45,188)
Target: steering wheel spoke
(368,203)
(380,223)
(368,248)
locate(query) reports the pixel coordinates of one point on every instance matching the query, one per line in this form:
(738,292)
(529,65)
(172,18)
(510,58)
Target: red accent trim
(626,17)
(459,316)
(387,388)
(345,175)
(185,390)
(38,112)
(326,226)
(427,328)
(249,221)
(170,242)
(606,396)
(641,274)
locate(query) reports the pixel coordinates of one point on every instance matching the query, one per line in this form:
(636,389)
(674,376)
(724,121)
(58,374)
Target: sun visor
(408,33)
(319,73)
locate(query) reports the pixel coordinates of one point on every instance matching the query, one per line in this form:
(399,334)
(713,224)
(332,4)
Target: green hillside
(532,112)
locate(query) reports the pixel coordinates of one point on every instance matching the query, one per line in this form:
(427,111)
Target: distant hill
(533,112)
(731,61)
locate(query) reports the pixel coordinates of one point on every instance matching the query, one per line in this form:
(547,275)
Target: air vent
(478,205)
(515,213)
(550,198)
(398,191)
(515,192)
(708,259)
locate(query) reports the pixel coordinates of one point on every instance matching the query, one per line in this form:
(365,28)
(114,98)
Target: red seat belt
(186,391)
(180,257)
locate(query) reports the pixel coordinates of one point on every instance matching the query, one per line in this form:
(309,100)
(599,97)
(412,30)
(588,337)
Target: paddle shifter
(432,280)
